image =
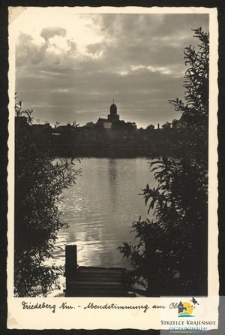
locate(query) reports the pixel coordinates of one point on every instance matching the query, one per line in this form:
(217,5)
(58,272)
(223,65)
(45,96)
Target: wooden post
(71,260)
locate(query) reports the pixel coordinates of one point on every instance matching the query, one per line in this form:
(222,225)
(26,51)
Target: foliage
(196,84)
(39,183)
(171,251)
(150,127)
(20,112)
(166,125)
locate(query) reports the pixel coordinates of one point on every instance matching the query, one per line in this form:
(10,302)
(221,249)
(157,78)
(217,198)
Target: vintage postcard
(112,217)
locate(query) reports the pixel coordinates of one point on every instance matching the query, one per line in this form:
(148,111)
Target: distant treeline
(86,141)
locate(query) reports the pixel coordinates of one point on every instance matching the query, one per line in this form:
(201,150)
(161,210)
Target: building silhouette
(112,117)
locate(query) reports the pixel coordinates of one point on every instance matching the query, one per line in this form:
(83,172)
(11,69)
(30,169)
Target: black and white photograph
(113,118)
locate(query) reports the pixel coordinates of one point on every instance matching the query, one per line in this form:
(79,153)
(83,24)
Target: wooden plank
(96,293)
(95,284)
(100,270)
(106,280)
(89,282)
(99,278)
(94,279)
(98,275)
(94,288)
(104,292)
(94,273)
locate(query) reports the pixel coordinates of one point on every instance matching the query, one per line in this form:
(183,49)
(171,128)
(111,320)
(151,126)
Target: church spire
(113,116)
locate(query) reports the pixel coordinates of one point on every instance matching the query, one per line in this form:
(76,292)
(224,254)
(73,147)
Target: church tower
(113,116)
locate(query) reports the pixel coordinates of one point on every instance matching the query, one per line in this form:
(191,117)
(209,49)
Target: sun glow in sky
(71,65)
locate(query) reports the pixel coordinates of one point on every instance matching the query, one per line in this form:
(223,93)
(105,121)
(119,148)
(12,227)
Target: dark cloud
(97,48)
(27,52)
(155,39)
(180,24)
(50,32)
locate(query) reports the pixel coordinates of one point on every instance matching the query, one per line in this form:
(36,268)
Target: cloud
(51,55)
(96,50)
(160,69)
(50,32)
(74,70)
(158,39)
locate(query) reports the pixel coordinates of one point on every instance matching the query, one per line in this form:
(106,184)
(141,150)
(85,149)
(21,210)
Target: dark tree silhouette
(170,256)
(39,182)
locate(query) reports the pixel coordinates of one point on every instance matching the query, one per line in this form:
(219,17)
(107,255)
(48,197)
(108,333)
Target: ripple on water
(101,207)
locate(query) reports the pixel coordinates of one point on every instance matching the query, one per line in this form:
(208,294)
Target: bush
(39,182)
(170,257)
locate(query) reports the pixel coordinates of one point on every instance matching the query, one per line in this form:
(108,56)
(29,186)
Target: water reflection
(112,174)
(101,207)
(112,170)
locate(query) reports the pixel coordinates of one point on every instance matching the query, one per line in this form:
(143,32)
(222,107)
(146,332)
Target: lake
(101,207)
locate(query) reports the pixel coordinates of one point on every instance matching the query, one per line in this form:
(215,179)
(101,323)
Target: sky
(70,66)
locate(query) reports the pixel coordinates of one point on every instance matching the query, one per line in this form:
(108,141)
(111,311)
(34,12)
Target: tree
(166,125)
(57,124)
(170,257)
(196,83)
(39,181)
(151,127)
(175,123)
